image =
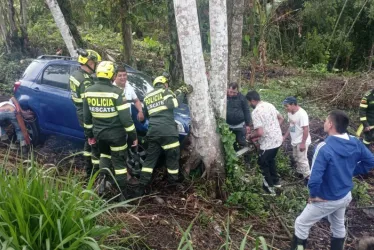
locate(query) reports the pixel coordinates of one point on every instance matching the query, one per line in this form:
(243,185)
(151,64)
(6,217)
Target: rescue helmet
(105,69)
(160,79)
(85,55)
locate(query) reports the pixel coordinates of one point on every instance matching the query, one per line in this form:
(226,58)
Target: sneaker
(277,184)
(269,190)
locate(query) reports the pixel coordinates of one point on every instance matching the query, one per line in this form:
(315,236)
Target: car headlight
(180,127)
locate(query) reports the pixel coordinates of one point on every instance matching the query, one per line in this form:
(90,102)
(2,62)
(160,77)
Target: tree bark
(4,31)
(219,56)
(235,42)
(23,10)
(126,31)
(175,58)
(12,23)
(204,138)
(62,26)
(371,58)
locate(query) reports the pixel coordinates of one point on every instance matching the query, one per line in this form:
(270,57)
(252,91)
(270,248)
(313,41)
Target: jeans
(268,167)
(313,212)
(301,159)
(11,116)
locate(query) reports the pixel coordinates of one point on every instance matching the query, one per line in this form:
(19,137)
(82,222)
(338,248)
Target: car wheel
(33,130)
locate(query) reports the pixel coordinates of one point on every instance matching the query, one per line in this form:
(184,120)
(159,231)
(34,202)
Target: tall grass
(40,210)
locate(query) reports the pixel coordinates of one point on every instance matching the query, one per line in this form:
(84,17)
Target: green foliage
(360,193)
(315,48)
(245,190)
(40,210)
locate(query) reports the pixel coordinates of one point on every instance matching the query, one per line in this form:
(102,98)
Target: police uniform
(162,133)
(107,118)
(79,82)
(366,113)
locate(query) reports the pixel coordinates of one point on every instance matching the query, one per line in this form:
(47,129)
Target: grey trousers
(313,212)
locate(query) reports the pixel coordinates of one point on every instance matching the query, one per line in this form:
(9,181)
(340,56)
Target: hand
(317,199)
(140,116)
(186,89)
(248,130)
(91,141)
(302,147)
(367,129)
(135,143)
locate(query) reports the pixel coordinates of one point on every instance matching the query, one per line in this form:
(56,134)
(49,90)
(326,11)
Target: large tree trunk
(204,138)
(11,19)
(175,58)
(252,39)
(235,40)
(371,58)
(66,10)
(23,12)
(62,26)
(4,31)
(219,56)
(126,31)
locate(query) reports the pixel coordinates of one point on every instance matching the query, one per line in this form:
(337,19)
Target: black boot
(337,243)
(296,243)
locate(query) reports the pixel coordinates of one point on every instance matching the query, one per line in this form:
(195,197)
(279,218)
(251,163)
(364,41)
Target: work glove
(186,89)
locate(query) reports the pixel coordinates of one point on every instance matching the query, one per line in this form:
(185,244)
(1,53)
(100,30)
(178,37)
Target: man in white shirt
(266,123)
(128,92)
(300,137)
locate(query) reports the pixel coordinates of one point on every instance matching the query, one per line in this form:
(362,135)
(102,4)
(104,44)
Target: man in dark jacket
(335,162)
(238,117)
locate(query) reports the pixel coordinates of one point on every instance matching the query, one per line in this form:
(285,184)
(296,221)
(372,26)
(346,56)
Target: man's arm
(247,113)
(318,169)
(366,163)
(87,120)
(305,137)
(125,118)
(258,132)
(170,100)
(280,118)
(286,134)
(139,107)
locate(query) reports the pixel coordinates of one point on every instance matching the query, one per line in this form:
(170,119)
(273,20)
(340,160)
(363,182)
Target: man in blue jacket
(335,162)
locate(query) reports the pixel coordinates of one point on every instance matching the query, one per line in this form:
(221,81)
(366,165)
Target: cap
(290,100)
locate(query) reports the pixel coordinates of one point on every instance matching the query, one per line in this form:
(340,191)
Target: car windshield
(141,83)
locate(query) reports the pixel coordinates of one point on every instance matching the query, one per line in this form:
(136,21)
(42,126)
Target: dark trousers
(240,141)
(170,144)
(266,160)
(368,138)
(113,153)
(90,153)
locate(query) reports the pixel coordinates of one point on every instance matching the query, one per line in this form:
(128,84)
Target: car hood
(183,111)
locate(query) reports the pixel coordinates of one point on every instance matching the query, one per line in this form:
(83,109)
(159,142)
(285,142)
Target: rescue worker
(366,113)
(107,119)
(162,134)
(80,80)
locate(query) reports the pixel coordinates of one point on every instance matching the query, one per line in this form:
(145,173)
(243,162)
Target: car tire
(34,133)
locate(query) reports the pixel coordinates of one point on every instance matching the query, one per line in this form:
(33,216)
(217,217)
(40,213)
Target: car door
(52,93)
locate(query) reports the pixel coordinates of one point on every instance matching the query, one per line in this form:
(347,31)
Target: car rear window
(141,84)
(32,70)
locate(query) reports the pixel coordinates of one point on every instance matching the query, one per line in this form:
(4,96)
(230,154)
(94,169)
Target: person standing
(108,120)
(238,117)
(335,162)
(266,123)
(366,113)
(80,80)
(128,91)
(300,136)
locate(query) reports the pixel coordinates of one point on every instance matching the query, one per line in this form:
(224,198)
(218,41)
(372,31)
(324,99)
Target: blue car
(44,89)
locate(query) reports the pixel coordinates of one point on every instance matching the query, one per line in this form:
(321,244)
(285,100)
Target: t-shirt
(265,116)
(297,121)
(128,92)
(7,103)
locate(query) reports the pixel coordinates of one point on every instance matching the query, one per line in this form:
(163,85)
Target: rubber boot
(337,243)
(298,244)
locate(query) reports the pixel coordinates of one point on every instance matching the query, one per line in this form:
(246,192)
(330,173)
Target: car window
(141,83)
(56,76)
(32,70)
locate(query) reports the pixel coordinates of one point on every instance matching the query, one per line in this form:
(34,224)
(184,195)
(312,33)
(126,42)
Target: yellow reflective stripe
(158,109)
(365,142)
(173,171)
(105,156)
(86,153)
(104,115)
(118,148)
(131,128)
(147,170)
(101,94)
(75,81)
(167,96)
(123,106)
(120,171)
(175,101)
(95,161)
(363,118)
(154,93)
(171,145)
(363,105)
(87,125)
(78,100)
